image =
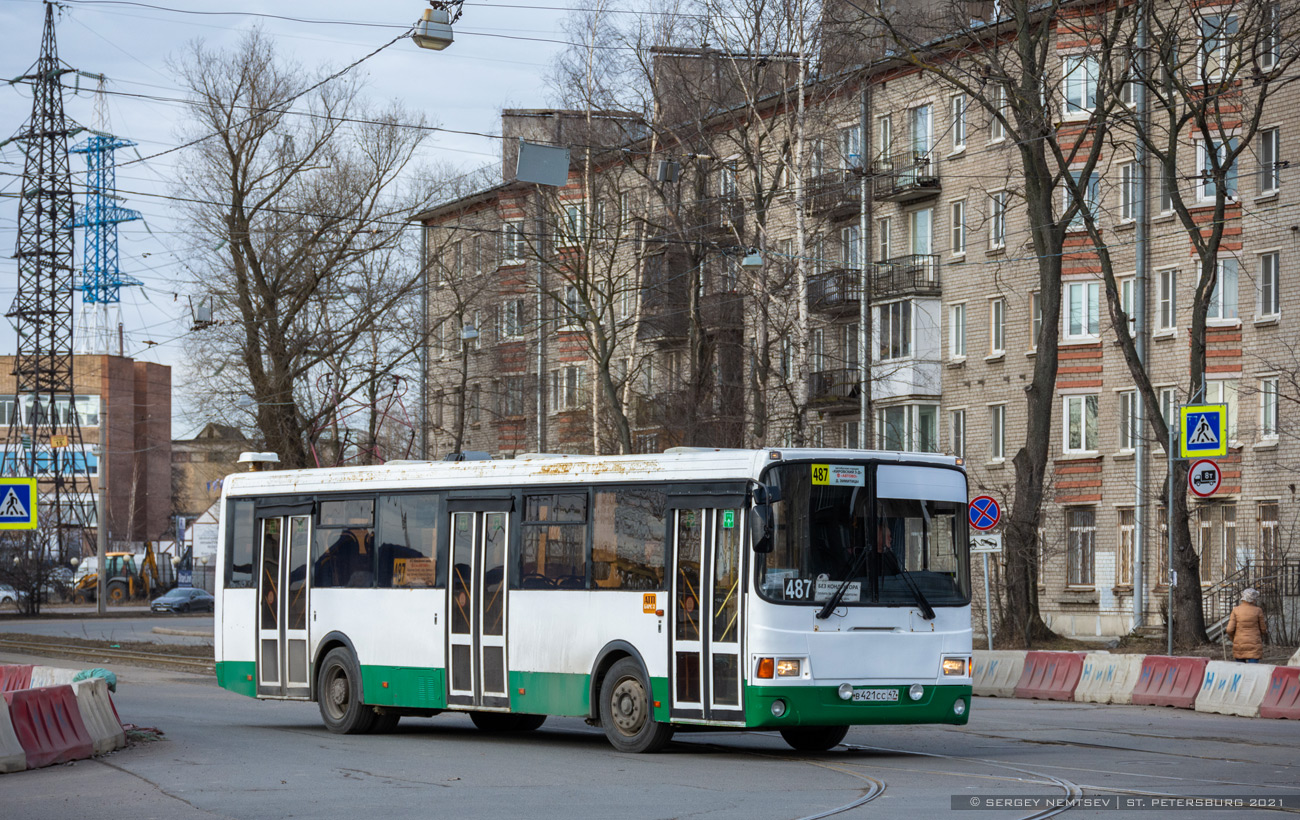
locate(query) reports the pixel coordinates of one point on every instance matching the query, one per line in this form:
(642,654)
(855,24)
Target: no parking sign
(984,512)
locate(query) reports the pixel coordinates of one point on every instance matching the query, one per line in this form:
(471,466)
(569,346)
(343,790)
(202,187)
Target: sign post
(1202,433)
(984,514)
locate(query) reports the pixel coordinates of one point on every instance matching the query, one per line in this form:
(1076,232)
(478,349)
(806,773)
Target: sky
(500,57)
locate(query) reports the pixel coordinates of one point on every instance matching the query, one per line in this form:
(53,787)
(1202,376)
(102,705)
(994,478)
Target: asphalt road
(226,756)
(117,627)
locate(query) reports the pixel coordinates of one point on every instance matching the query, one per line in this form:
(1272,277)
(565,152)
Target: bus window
(351,512)
(627,550)
(554,553)
(240,544)
(407,538)
(343,557)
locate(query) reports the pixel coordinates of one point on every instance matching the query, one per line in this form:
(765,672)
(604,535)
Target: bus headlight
(915,691)
(954,666)
(787,668)
(846,691)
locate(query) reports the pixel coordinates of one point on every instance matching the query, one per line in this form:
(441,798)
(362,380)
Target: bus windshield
(822,534)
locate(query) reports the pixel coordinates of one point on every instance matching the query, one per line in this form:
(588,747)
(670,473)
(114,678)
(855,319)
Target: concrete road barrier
(15,676)
(1050,675)
(1108,678)
(98,714)
(51,676)
(1283,697)
(1169,681)
(49,726)
(997,672)
(1295,659)
(1231,688)
(12,756)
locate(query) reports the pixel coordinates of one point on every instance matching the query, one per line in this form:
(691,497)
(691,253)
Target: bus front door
(283,669)
(706,615)
(476,616)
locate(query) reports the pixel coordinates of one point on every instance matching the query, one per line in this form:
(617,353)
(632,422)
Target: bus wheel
(625,710)
(339,695)
(814,738)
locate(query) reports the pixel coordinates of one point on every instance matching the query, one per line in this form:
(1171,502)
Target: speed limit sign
(1204,478)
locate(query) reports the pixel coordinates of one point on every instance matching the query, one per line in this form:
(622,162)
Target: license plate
(875,695)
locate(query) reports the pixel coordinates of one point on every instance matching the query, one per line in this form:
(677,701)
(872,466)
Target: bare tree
(298,192)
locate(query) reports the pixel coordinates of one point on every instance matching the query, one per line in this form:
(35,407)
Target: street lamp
(433,30)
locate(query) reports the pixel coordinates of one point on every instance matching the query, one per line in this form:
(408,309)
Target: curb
(184,633)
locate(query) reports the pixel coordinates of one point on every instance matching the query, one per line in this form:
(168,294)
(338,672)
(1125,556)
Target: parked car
(184,599)
(9,595)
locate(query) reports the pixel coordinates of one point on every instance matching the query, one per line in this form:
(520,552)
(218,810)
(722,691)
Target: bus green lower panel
(550,693)
(822,706)
(239,677)
(415,687)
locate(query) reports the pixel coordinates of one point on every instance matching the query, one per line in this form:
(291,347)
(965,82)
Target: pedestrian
(1247,628)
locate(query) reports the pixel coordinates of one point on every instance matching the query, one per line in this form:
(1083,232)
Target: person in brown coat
(1247,628)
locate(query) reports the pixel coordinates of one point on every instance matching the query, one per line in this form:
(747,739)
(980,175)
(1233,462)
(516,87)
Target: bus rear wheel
(814,738)
(626,713)
(338,695)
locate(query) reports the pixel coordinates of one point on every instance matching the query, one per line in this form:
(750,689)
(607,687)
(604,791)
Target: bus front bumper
(813,705)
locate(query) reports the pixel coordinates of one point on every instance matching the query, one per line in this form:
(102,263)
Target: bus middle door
(705,643)
(283,667)
(476,604)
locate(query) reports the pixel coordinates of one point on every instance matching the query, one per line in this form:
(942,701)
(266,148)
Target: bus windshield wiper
(926,610)
(834,601)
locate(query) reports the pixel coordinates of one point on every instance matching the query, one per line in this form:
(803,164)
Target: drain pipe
(1140,279)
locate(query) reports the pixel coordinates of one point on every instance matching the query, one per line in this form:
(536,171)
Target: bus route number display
(838,475)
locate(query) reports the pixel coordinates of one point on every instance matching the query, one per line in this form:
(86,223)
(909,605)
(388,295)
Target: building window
(1091,192)
(1124,553)
(997,432)
(1268,407)
(894,327)
(885,136)
(1080,75)
(849,246)
(513,246)
(884,252)
(1166,191)
(1270,165)
(1081,534)
(851,148)
(957,432)
(849,435)
(1082,311)
(997,129)
(817,350)
(997,327)
(851,346)
(513,391)
(1168,406)
(1224,391)
(957,223)
(1270,545)
(908,427)
(1128,420)
(624,213)
(1126,286)
(1080,424)
(1223,299)
(957,331)
(1036,319)
(920,224)
(958,107)
(573,311)
(1167,299)
(1207,187)
(998,220)
(1128,190)
(512,318)
(1218,45)
(1270,285)
(567,386)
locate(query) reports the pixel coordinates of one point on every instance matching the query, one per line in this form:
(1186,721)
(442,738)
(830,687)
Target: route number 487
(797,588)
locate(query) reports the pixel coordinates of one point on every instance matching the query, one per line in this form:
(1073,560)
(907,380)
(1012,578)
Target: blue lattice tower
(101,278)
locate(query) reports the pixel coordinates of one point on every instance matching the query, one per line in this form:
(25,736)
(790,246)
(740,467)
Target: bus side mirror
(760,528)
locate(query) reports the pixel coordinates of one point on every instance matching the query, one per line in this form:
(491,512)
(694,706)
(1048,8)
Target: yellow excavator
(126,581)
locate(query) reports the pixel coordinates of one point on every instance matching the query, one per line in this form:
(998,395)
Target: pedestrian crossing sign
(1203,430)
(17,503)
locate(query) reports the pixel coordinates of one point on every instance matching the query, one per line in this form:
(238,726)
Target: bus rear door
(283,668)
(705,645)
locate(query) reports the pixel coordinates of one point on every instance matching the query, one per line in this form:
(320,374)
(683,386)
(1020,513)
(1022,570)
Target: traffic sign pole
(988,607)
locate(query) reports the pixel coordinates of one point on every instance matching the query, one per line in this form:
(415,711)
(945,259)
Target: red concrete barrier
(1050,675)
(1169,681)
(14,677)
(1283,697)
(49,725)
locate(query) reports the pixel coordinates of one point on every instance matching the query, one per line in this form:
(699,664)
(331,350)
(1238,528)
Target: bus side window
(407,539)
(240,543)
(554,547)
(627,549)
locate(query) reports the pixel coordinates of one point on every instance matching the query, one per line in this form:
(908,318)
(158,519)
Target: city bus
(797,590)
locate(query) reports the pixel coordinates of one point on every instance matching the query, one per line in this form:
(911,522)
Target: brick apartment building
(626,288)
(137,398)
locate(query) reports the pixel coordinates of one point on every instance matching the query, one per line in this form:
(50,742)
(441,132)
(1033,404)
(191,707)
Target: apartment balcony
(829,388)
(719,215)
(916,274)
(835,291)
(664,296)
(834,194)
(722,311)
(906,177)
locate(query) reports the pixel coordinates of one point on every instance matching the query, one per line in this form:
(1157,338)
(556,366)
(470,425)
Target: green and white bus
(802,590)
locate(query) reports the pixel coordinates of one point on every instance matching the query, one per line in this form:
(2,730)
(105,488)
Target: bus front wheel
(625,710)
(814,738)
(339,695)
